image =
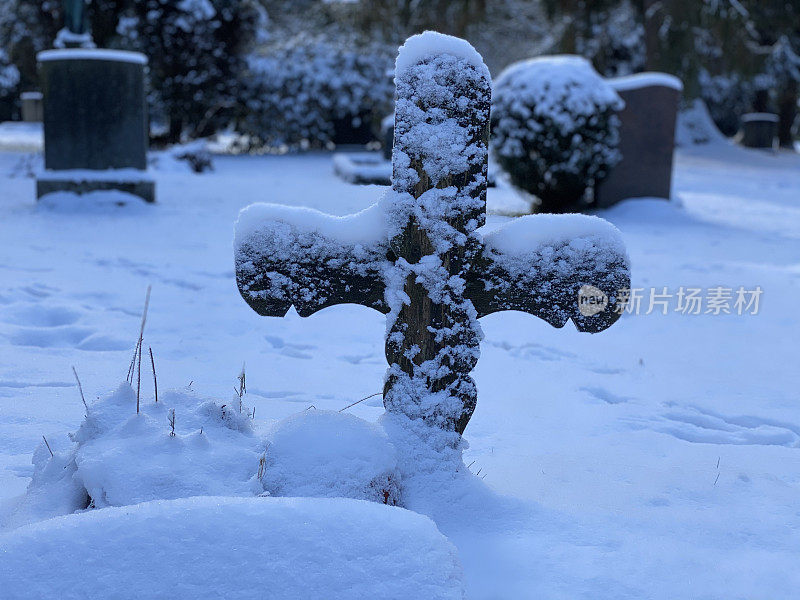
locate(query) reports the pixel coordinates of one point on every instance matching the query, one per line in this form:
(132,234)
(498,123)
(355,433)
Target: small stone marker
(647,138)
(95,117)
(759,130)
(31,107)
(418,255)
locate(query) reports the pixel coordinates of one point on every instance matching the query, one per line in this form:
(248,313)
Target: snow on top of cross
(640,80)
(558,84)
(530,233)
(364,227)
(430,43)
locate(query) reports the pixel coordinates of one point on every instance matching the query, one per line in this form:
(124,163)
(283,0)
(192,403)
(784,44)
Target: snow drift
(239,548)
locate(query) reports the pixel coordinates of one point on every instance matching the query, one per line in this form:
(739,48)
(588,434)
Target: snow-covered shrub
(554,129)
(727,97)
(300,91)
(330,454)
(195,154)
(196,52)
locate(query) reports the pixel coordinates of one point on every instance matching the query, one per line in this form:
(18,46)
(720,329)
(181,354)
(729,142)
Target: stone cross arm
(294,256)
(291,256)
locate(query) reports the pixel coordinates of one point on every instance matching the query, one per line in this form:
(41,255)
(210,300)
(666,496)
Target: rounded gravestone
(646,138)
(95,119)
(759,130)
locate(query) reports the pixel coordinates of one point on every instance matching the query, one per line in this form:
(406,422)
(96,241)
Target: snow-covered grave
(658,460)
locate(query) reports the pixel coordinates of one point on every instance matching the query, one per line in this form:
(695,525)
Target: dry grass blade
(139,347)
(359,401)
(80,389)
(48,446)
(153,365)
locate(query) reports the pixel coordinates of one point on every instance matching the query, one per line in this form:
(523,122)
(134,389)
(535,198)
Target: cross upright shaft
(439,200)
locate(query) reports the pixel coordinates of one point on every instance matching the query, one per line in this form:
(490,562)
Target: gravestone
(95,117)
(420,255)
(759,130)
(647,139)
(31,107)
(387,136)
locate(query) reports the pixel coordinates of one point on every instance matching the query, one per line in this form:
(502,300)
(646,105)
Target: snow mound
(695,126)
(329,454)
(97,201)
(120,458)
(287,548)
(560,87)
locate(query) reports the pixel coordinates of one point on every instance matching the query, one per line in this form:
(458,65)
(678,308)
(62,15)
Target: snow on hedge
(329,454)
(555,129)
(212,547)
(559,87)
(298,89)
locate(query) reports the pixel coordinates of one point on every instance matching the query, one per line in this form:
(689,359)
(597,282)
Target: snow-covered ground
(658,459)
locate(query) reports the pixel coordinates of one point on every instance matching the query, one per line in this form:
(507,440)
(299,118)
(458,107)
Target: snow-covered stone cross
(420,255)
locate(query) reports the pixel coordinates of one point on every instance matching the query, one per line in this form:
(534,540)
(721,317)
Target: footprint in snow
(706,427)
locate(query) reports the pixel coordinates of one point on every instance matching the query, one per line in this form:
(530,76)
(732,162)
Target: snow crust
(423,46)
(214,547)
(640,80)
(92,54)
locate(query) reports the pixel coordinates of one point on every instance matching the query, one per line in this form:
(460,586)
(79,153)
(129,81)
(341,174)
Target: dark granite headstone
(387,136)
(31,107)
(95,119)
(759,130)
(647,138)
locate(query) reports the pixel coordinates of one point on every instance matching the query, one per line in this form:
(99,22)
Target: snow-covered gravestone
(420,255)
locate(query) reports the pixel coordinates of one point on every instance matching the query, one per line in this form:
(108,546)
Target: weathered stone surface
(759,130)
(94,110)
(32,111)
(647,139)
